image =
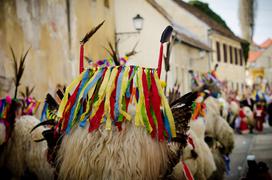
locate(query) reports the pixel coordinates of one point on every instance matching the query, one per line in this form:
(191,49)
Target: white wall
(149,38)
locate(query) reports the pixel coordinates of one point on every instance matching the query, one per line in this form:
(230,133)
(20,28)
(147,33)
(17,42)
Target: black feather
(91,33)
(166,34)
(185,99)
(18,70)
(60,94)
(48,122)
(113,53)
(52,104)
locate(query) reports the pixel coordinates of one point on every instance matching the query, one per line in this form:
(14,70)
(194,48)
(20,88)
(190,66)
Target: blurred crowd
(251,109)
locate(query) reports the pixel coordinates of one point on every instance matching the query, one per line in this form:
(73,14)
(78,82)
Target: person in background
(259,115)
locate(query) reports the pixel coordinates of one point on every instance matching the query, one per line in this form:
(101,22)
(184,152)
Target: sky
(228,10)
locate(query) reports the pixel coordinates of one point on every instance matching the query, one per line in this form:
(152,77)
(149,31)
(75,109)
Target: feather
(91,33)
(52,104)
(132,52)
(165,37)
(60,94)
(185,99)
(113,53)
(18,70)
(48,122)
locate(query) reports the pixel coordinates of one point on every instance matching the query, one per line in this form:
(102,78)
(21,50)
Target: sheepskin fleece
(217,127)
(22,153)
(2,133)
(112,154)
(224,106)
(198,126)
(220,165)
(202,167)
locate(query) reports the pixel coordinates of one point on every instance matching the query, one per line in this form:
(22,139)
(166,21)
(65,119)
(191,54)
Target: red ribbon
(160,60)
(70,102)
(147,105)
(156,102)
(81,65)
(113,95)
(190,141)
(95,121)
(187,172)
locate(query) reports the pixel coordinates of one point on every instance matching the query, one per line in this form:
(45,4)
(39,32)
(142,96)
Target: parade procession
(139,89)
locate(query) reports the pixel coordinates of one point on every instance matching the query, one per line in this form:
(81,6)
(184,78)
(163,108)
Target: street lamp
(138,22)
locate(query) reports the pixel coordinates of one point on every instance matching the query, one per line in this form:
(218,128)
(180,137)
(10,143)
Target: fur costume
(129,154)
(23,154)
(217,127)
(2,133)
(198,158)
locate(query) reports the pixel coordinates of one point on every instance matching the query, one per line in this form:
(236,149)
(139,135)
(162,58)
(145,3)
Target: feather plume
(132,52)
(91,33)
(18,70)
(113,53)
(52,104)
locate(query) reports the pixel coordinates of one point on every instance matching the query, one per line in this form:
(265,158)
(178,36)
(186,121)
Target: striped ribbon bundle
(31,106)
(109,62)
(198,107)
(102,95)
(4,107)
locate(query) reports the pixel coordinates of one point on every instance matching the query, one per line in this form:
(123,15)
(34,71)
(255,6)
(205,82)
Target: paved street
(258,144)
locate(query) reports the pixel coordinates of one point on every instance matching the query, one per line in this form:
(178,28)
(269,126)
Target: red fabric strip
(113,94)
(68,107)
(187,172)
(190,140)
(147,105)
(160,60)
(156,102)
(81,56)
(95,121)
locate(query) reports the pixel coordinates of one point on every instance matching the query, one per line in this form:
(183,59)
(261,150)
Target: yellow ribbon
(166,106)
(65,97)
(123,93)
(109,89)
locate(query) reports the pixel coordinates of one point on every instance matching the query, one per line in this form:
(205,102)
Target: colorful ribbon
(103,94)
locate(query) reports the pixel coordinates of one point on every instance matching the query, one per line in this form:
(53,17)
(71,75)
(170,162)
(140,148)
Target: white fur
(202,167)
(198,126)
(225,107)
(217,127)
(23,153)
(2,133)
(103,154)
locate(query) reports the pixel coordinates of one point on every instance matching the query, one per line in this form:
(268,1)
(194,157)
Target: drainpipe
(209,32)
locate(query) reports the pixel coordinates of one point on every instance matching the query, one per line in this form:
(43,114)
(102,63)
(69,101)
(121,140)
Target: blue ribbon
(84,80)
(227,164)
(167,126)
(43,116)
(118,92)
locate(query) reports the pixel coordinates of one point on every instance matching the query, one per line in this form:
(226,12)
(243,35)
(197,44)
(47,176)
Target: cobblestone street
(258,144)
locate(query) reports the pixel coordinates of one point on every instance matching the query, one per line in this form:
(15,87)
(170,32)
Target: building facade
(260,63)
(52,30)
(226,46)
(187,53)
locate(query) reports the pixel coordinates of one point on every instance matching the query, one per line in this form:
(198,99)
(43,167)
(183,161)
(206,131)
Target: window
(241,57)
(230,52)
(235,56)
(225,53)
(107,3)
(218,51)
